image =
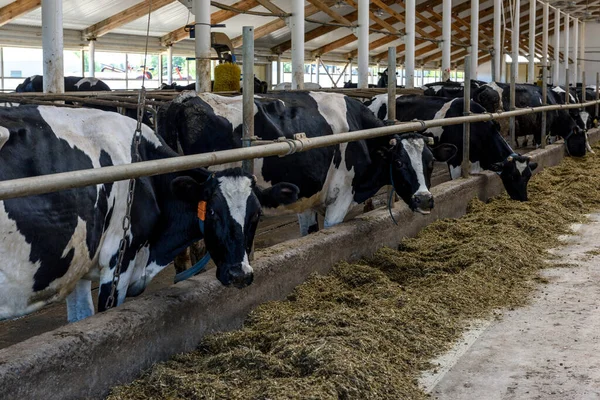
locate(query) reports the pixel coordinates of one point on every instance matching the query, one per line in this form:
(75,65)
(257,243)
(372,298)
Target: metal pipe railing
(85,177)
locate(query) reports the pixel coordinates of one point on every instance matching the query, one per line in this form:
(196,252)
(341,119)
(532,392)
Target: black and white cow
(35,83)
(567,124)
(332,179)
(488,149)
(54,244)
(449,89)
(590,95)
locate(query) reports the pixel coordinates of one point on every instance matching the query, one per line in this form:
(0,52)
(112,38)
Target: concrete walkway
(547,350)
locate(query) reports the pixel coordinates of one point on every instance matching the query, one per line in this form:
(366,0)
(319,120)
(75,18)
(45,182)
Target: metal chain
(135,157)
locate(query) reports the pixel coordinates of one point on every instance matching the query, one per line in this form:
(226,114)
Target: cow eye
(399,164)
(211,212)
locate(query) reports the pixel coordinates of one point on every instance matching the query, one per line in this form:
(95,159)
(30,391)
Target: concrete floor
(547,350)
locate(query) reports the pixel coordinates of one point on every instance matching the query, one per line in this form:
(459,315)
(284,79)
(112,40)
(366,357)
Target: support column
(409,59)
(160,69)
(318,62)
(81,54)
(201,10)
(556,65)
(576,77)
(545,17)
(582,48)
(566,48)
(531,65)
(297,22)
(2,68)
(447,38)
(515,41)
(52,42)
(350,69)
(363,43)
(474,38)
(170,64)
(92,58)
(278,69)
(498,45)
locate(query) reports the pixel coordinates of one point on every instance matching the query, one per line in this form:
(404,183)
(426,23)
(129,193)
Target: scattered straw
(367,330)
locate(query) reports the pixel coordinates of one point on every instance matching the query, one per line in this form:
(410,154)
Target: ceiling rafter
(16,9)
(124,17)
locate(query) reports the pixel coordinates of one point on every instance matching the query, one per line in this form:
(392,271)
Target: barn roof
(118,25)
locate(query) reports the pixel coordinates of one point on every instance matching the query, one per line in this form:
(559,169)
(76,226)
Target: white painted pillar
(447,38)
(92,58)
(363,43)
(409,60)
(556,66)
(2,67)
(423,75)
(170,64)
(81,55)
(318,62)
(350,69)
(474,37)
(278,69)
(297,27)
(201,10)
(311,71)
(545,17)
(376,74)
(581,49)
(531,64)
(576,77)
(52,43)
(515,41)
(498,45)
(567,43)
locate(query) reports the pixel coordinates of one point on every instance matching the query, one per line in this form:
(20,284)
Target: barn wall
(85,359)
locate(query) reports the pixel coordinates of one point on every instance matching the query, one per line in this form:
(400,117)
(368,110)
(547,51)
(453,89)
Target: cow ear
(444,152)
(533,166)
(497,167)
(277,195)
(187,189)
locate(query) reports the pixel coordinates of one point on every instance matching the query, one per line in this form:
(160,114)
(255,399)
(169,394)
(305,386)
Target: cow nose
(240,278)
(423,202)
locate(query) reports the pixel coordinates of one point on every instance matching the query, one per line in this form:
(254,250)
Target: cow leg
(79,301)
(308,222)
(587,144)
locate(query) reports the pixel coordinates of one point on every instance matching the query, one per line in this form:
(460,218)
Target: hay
(366,330)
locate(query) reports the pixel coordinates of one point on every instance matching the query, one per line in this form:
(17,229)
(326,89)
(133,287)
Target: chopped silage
(367,330)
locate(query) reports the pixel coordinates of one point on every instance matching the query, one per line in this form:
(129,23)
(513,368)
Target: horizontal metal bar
(74,179)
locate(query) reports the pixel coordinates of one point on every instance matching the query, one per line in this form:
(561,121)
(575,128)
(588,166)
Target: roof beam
(325,8)
(215,18)
(16,9)
(124,17)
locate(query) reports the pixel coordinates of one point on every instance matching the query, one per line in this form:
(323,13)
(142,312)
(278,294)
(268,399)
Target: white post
(376,74)
(498,45)
(515,40)
(531,65)
(318,62)
(160,69)
(566,50)
(556,66)
(92,58)
(126,70)
(363,43)
(297,22)
(423,75)
(545,15)
(582,48)
(81,54)
(576,77)
(474,38)
(201,10)
(409,59)
(278,69)
(447,38)
(248,95)
(2,68)
(350,69)
(311,71)
(170,64)
(52,42)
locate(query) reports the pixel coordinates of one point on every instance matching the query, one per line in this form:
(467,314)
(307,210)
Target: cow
(54,244)
(590,95)
(259,86)
(35,83)
(488,149)
(331,179)
(568,124)
(288,86)
(449,89)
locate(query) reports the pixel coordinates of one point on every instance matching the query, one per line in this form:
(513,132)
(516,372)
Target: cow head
(411,164)
(515,172)
(229,207)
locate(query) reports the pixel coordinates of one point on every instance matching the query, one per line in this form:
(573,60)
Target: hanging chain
(135,157)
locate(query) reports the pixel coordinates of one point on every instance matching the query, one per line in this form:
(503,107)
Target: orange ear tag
(202,210)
